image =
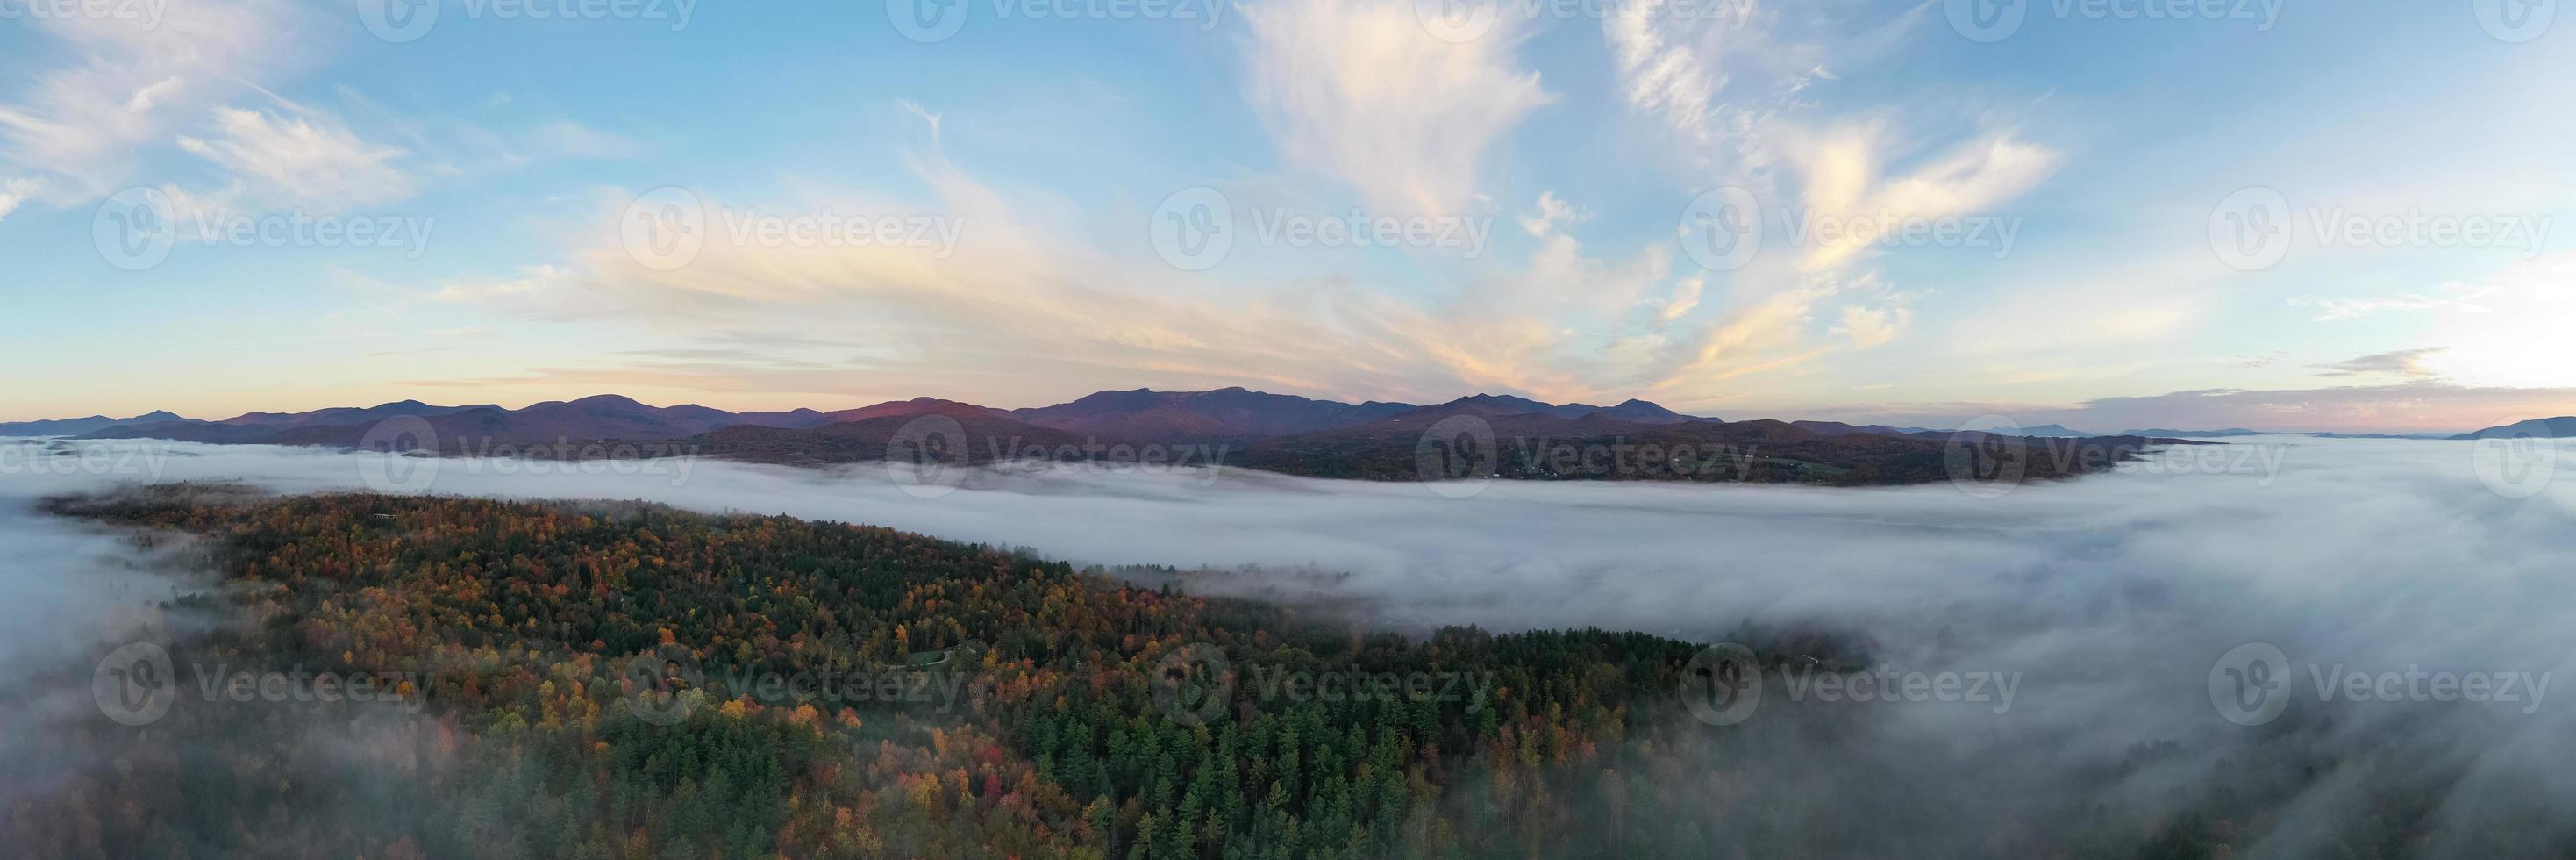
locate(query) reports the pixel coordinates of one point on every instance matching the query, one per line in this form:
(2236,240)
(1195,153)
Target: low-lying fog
(2109,601)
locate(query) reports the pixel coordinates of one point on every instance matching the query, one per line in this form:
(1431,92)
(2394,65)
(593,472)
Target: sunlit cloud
(1361,92)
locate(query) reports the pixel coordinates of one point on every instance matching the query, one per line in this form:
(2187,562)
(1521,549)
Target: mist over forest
(2107,602)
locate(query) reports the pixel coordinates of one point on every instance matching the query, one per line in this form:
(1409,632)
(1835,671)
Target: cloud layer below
(2110,597)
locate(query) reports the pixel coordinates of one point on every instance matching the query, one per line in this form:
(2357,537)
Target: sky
(2105,213)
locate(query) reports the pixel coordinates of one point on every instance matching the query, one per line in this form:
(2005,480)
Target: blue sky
(988,212)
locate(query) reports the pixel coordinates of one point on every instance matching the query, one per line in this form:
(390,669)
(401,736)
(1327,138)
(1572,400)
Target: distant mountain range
(1226,415)
(78,426)
(2546,428)
(1274,432)
(1223,415)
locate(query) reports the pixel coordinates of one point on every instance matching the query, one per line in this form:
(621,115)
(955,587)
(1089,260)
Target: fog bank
(2116,601)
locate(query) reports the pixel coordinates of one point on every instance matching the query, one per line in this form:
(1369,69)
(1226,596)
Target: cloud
(931,119)
(1868,327)
(2335,310)
(1548,215)
(1685,298)
(1361,92)
(299,156)
(2251,362)
(1723,77)
(568,139)
(2404,363)
(1844,171)
(1663,77)
(15,192)
(1023,291)
(86,126)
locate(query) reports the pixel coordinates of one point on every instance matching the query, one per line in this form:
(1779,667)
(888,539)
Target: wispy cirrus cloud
(1359,91)
(299,156)
(131,84)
